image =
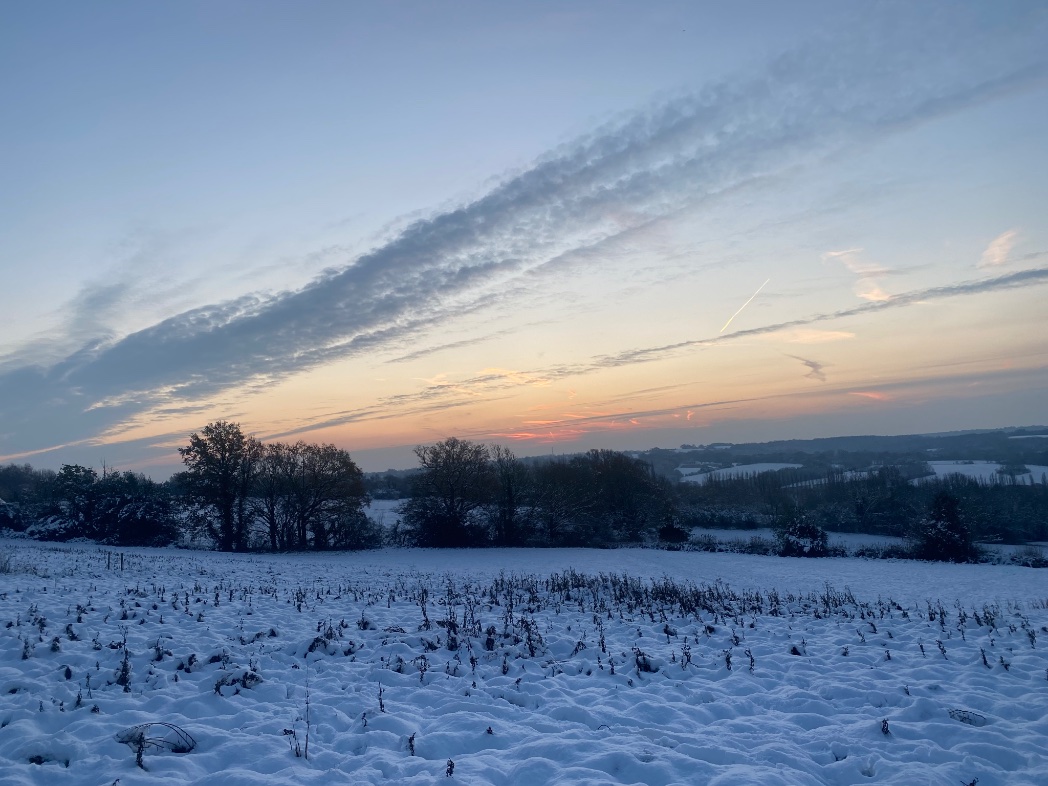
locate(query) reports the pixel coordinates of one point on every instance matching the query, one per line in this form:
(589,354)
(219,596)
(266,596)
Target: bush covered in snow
(944,535)
(799,536)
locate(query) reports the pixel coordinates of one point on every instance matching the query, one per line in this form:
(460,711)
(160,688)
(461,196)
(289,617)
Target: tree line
(469,494)
(124,508)
(237,493)
(242,493)
(894,500)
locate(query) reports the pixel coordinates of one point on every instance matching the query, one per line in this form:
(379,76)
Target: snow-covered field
(384,512)
(985,470)
(519,667)
(849,540)
(737,471)
(981,470)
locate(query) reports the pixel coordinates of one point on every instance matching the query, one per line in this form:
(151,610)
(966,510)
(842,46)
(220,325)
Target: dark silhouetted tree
(220,469)
(798,534)
(274,488)
(564,504)
(135,511)
(632,502)
(944,535)
(455,482)
(77,495)
(510,489)
(311,496)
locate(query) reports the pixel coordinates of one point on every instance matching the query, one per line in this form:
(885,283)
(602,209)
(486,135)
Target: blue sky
(379,225)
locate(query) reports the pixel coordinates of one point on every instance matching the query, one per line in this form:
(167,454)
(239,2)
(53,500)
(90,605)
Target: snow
(384,512)
(848,540)
(986,470)
(827,670)
(736,471)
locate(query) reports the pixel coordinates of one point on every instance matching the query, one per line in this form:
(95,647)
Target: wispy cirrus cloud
(899,392)
(868,286)
(495,384)
(1022,278)
(813,102)
(999,249)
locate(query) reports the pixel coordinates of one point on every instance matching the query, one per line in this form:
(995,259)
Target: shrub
(800,536)
(705,542)
(882,551)
(671,533)
(1029,557)
(11,517)
(944,536)
(754,545)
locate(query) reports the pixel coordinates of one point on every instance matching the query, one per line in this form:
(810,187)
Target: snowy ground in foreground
(556,716)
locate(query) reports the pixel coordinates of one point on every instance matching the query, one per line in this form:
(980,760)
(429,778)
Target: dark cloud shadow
(815,368)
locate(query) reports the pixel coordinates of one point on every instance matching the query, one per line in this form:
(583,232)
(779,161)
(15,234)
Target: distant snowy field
(692,475)
(980,470)
(850,540)
(528,696)
(384,511)
(985,470)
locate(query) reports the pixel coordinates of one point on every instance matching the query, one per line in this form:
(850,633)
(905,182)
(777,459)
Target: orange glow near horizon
(870,395)
(694,390)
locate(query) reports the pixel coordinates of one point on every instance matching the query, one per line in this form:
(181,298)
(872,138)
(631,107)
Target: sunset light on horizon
(554,227)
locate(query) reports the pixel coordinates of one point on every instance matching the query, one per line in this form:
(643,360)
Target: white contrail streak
(762,286)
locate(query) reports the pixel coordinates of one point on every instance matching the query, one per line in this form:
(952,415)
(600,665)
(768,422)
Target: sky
(555,226)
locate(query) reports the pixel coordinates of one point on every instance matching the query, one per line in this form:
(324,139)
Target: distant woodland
(238,494)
